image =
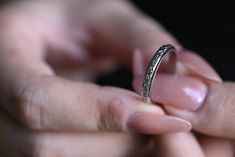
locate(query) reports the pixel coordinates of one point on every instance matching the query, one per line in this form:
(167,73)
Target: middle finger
(16,141)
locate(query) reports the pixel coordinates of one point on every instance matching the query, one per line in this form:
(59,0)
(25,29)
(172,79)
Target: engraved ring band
(150,74)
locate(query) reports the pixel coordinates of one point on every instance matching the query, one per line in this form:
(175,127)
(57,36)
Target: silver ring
(153,66)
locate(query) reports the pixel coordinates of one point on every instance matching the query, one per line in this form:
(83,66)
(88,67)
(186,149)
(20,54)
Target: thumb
(216,115)
(195,94)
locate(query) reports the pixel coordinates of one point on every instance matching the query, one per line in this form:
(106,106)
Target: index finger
(118,28)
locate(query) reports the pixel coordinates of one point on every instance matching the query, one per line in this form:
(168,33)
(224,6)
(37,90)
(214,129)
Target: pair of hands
(48,49)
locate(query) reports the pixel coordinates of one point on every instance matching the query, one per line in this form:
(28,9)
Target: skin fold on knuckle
(113,115)
(30,107)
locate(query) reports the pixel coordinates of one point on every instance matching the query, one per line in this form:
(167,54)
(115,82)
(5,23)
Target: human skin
(195,93)
(51,115)
(49,50)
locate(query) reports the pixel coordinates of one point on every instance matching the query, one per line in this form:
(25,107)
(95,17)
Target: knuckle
(113,115)
(31,110)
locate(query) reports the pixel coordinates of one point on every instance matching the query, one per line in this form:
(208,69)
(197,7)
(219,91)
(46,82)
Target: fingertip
(156,124)
(181,113)
(196,65)
(179,91)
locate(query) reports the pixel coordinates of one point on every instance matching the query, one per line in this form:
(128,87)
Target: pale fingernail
(198,65)
(155,124)
(125,107)
(179,91)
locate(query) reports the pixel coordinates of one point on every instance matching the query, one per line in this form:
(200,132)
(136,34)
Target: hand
(44,46)
(21,142)
(213,119)
(197,94)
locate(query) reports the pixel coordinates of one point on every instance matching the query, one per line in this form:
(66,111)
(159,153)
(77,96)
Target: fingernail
(126,106)
(198,65)
(155,124)
(179,91)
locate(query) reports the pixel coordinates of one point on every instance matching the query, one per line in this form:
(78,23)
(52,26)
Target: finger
(216,115)
(191,64)
(118,28)
(187,89)
(40,100)
(188,64)
(209,103)
(108,108)
(54,103)
(189,83)
(178,90)
(16,141)
(217,147)
(178,145)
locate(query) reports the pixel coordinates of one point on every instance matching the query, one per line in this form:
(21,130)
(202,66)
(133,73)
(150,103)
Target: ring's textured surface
(153,67)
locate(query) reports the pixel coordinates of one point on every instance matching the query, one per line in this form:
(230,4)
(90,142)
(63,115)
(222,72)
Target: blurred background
(206,27)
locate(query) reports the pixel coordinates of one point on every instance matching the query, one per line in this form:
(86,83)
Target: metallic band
(153,67)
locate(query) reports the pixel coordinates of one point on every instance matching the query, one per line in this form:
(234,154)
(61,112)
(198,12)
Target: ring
(153,66)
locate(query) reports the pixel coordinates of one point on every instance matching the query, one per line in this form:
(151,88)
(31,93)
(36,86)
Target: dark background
(206,27)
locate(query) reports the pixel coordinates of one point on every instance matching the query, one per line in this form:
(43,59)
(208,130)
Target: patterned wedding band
(154,65)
